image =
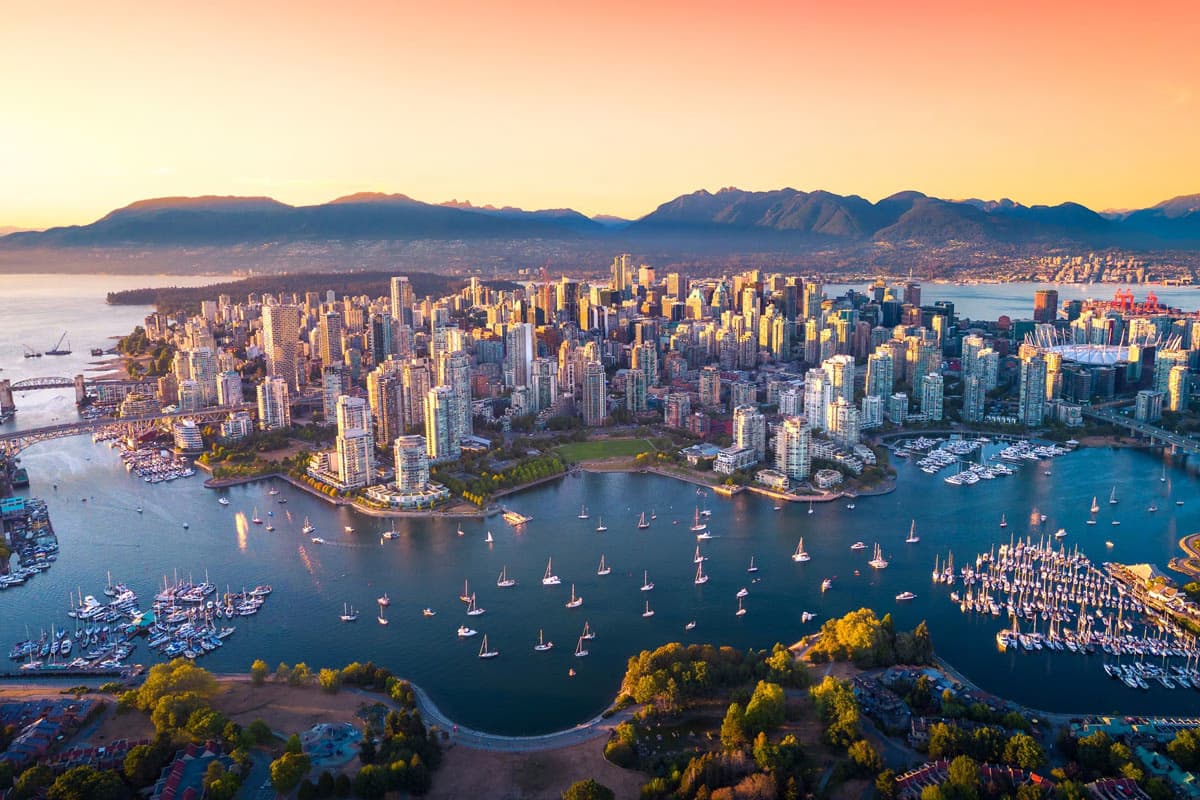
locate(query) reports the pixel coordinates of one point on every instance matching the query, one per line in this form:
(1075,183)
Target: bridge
(13,443)
(1176,441)
(32,384)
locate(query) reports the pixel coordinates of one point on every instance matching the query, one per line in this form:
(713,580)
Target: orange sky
(612,109)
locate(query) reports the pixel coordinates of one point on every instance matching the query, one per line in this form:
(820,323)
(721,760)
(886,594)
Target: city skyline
(609,111)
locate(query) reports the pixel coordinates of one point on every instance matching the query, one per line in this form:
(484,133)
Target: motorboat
(905,596)
(691,626)
(465,633)
(858,546)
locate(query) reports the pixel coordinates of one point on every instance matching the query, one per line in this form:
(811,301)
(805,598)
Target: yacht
(648,612)
(542,645)
(741,612)
(697,523)
(583,512)
(489,539)
(1003,522)
(642,521)
(912,534)
(858,546)
(601,528)
(1116,522)
(1061,533)
(465,633)
(1178,502)
(752,567)
(826,584)
(223,501)
(742,592)
(574,602)
(807,616)
(550,579)
(1090,522)
(139,509)
(308,527)
(850,506)
(1095,505)
(428,612)
(273,492)
(505,582)
(905,596)
(393,533)
(1153,507)
(317,540)
(382,619)
(256,519)
(691,626)
(484,652)
(466,592)
(472,609)
(800,554)
(348,528)
(646,584)
(704,535)
(700,578)
(383,600)
(878,562)
(696,559)
(588,633)
(348,613)
(1112,497)
(603,569)
(580,652)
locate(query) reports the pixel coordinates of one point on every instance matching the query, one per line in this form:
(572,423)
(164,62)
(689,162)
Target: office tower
(274,411)
(792,455)
(520,351)
(386,401)
(812,299)
(331,338)
(912,294)
(840,371)
(710,387)
(1045,305)
(402,300)
(974,397)
(595,394)
(544,383)
(932,388)
(439,428)
(676,285)
(416,382)
(281,343)
(676,410)
(458,378)
(412,463)
(381,338)
(750,430)
(1031,403)
(620,275)
(1179,388)
(229,389)
(880,373)
(635,391)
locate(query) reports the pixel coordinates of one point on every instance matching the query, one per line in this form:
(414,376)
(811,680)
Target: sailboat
(542,645)
(269,527)
(472,609)
(690,626)
(588,633)
(1112,497)
(1095,505)
(273,492)
(489,538)
(348,613)
(504,582)
(696,559)
(601,528)
(653,514)
(878,562)
(642,521)
(752,567)
(646,584)
(800,554)
(223,501)
(484,652)
(466,593)
(579,651)
(810,507)
(741,612)
(550,579)
(460,531)
(647,612)
(603,569)
(1153,506)
(256,519)
(383,600)
(700,578)
(1003,522)
(826,584)
(308,527)
(574,602)
(912,534)
(393,533)
(583,512)
(697,524)
(382,619)
(1163,478)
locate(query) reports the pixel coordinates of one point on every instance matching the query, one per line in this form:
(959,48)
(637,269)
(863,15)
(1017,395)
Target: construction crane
(58,350)
(30,352)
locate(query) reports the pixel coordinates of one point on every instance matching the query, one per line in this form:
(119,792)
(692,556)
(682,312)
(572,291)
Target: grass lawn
(604,448)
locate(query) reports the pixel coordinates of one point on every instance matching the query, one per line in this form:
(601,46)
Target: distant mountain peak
(373,197)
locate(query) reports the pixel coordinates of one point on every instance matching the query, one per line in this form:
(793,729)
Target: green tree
(300,675)
(32,781)
(87,783)
(1184,749)
(178,676)
(1024,751)
(288,770)
(733,728)
(371,783)
(259,672)
(330,680)
(765,711)
(588,790)
(865,757)
(885,784)
(293,745)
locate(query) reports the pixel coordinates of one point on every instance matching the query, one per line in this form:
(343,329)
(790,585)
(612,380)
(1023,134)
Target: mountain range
(772,219)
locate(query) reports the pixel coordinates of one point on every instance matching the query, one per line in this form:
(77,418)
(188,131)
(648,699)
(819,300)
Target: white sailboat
(648,612)
(1163,478)
(460,531)
(256,519)
(912,534)
(580,652)
(700,578)
(588,633)
(752,567)
(603,569)
(697,523)
(466,592)
(1095,504)
(583,512)
(646,584)
(383,600)
(696,559)
(348,613)
(1112,497)
(1003,522)
(742,592)
(542,645)
(601,528)
(472,609)
(505,582)
(574,602)
(878,562)
(810,507)
(382,619)
(308,527)
(642,521)
(800,554)
(484,652)
(489,539)
(741,612)
(550,579)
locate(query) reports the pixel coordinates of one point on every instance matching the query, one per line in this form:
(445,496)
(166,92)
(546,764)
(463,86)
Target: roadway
(16,441)
(1176,440)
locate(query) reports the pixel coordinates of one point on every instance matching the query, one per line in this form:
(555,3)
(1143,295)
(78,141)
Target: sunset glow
(610,109)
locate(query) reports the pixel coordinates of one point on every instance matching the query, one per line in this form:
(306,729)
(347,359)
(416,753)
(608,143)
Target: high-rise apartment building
(274,411)
(792,454)
(1031,403)
(412,463)
(402,300)
(595,394)
(439,429)
(520,350)
(331,338)
(932,388)
(458,378)
(750,430)
(281,343)
(710,387)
